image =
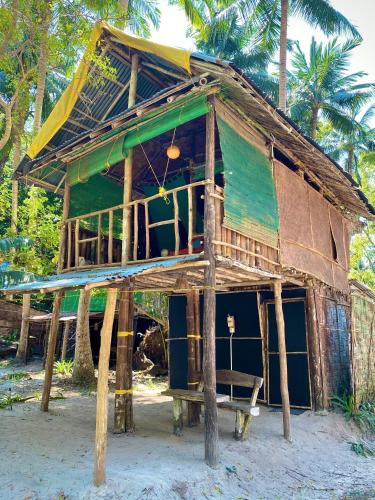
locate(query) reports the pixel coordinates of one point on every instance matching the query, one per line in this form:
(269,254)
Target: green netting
(69,303)
(97,193)
(250,203)
(115,150)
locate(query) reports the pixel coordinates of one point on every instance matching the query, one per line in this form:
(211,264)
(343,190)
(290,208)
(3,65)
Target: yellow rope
(125,334)
(124,391)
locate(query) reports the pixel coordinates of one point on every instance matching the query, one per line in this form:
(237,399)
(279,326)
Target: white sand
(50,455)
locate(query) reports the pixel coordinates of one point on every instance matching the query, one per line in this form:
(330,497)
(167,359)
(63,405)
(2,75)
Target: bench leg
(246,427)
(238,429)
(178,424)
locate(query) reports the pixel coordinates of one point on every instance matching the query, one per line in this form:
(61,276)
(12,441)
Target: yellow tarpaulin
(63,108)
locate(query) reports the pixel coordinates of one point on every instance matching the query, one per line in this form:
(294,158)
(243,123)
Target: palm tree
(320,86)
(350,148)
(270,19)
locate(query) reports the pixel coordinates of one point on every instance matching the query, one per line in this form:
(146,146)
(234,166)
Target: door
(297,354)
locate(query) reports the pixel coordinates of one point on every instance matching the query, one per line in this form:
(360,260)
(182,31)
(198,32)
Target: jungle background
(42,41)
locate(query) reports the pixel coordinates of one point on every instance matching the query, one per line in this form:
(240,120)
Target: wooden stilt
(54,326)
(197,323)
(193,409)
(24,334)
(64,346)
(282,359)
(124,358)
(314,351)
(211,435)
(102,391)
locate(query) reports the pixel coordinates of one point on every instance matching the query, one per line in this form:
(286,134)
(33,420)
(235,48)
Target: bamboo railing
(106,248)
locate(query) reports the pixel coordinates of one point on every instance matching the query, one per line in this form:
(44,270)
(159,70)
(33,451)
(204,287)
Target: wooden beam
(211,435)
(24,334)
(52,337)
(102,391)
(284,390)
(124,358)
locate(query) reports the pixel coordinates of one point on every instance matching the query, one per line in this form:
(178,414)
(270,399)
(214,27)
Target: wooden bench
(244,410)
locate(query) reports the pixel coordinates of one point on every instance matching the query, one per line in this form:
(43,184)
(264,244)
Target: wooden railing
(92,241)
(82,240)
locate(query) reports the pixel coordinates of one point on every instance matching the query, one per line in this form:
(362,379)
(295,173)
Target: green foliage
(63,367)
(15,243)
(16,376)
(362,449)
(9,399)
(363,416)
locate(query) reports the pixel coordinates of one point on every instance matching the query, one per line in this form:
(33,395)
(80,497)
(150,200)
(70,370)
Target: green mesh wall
(96,194)
(250,204)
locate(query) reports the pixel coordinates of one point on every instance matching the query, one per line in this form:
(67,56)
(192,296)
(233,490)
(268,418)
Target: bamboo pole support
(64,347)
(63,229)
(197,323)
(128,171)
(24,334)
(52,337)
(193,409)
(211,434)
(102,390)
(124,355)
(282,359)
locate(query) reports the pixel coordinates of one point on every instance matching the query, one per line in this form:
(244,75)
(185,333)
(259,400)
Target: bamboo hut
(179,175)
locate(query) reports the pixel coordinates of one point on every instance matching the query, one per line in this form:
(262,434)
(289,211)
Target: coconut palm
(349,148)
(320,86)
(269,18)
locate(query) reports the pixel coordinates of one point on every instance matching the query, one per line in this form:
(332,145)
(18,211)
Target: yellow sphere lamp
(173,152)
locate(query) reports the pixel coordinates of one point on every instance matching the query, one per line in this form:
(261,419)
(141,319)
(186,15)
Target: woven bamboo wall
(363,347)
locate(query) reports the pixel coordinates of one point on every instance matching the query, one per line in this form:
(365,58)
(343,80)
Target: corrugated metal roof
(80,279)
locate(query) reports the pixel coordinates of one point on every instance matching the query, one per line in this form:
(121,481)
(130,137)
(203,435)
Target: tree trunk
(283,55)
(42,66)
(64,347)
(83,370)
(16,160)
(314,122)
(349,164)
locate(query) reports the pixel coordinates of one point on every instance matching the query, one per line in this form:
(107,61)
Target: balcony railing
(94,239)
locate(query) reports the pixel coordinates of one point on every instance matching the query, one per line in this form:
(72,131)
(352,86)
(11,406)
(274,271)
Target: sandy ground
(50,455)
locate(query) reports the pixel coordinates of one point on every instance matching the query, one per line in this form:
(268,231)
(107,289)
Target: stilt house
(179,175)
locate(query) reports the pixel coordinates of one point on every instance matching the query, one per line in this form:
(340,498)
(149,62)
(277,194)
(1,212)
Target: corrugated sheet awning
(100,277)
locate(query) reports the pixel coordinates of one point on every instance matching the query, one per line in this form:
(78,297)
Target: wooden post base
(178,421)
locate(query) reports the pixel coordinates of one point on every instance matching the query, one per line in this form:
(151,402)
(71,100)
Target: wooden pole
(282,359)
(63,229)
(211,434)
(65,339)
(128,171)
(102,390)
(197,323)
(54,326)
(24,334)
(124,360)
(193,408)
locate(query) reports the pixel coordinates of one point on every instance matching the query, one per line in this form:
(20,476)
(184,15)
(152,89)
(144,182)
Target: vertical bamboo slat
(190,220)
(147,229)
(69,258)
(135,225)
(99,246)
(176,224)
(110,237)
(76,244)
